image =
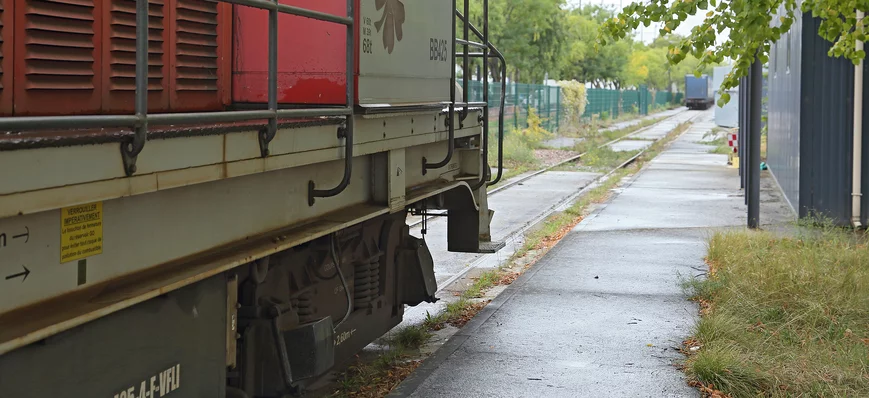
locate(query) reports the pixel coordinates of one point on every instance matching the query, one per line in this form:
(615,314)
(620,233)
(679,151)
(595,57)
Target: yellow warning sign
(81,231)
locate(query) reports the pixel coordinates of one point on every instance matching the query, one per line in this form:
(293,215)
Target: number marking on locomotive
(159,385)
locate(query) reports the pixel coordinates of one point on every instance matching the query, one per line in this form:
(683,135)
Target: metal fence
(548,102)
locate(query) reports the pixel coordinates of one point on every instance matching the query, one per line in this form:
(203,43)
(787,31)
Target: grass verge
(377,378)
(783,316)
(596,138)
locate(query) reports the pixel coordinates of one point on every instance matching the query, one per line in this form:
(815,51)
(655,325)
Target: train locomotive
(209,198)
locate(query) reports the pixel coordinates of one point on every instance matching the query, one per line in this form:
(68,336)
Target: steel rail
(552,209)
(538,172)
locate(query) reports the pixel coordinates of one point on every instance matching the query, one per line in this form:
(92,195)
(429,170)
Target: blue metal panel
(811,124)
(697,88)
(783,146)
(826,119)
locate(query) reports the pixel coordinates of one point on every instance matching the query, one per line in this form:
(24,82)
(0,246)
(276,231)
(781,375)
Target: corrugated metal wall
(826,128)
(783,146)
(810,125)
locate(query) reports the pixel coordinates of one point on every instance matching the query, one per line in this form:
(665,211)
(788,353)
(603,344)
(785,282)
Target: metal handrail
(451,126)
(140,121)
(467,43)
(500,57)
(466,62)
(485,172)
(346,130)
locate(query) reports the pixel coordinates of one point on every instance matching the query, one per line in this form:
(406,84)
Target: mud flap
(417,281)
(466,222)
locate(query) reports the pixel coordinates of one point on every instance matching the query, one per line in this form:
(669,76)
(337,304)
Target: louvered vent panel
(59,45)
(7,22)
(196,46)
(2,44)
(122,51)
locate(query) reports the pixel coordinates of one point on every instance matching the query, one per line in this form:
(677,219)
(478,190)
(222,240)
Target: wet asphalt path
(517,208)
(602,314)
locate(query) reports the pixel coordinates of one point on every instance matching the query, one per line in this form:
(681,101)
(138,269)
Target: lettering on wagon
(159,385)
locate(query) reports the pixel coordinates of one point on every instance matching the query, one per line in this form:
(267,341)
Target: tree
(527,32)
(584,62)
(648,66)
(753,26)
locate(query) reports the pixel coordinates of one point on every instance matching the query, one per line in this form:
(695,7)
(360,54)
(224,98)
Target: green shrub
(534,134)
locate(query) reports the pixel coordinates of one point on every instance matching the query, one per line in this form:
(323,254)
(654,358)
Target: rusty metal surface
(7,15)
(200,50)
(51,79)
(50,139)
(78,57)
(311,59)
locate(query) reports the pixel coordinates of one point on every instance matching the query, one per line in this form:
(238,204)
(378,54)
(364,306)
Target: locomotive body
(221,214)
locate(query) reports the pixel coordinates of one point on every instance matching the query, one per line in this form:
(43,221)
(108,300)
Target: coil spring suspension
(305,308)
(366,284)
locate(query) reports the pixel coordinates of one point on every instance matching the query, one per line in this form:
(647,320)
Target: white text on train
(159,385)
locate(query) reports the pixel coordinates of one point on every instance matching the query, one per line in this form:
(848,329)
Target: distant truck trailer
(698,92)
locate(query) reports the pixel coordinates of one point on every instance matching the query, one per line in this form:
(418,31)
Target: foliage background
(547,38)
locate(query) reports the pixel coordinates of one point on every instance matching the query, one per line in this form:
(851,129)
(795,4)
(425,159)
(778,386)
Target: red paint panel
(119,56)
(57,57)
(199,55)
(7,16)
(311,55)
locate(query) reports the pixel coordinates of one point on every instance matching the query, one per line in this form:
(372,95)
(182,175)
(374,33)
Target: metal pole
(130,150)
(273,71)
(271,129)
(466,64)
(346,131)
(515,105)
(450,119)
(486,170)
(558,108)
(754,144)
(739,126)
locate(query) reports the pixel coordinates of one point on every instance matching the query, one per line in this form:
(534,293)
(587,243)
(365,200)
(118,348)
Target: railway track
(517,234)
(520,180)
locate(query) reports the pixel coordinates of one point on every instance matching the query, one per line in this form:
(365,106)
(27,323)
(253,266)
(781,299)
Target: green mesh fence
(548,102)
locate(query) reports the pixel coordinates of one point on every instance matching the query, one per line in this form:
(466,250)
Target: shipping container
(698,92)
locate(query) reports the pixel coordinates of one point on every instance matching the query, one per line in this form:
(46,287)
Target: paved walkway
(602,314)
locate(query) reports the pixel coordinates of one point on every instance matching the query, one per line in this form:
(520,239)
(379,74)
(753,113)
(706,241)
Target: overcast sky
(650,33)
